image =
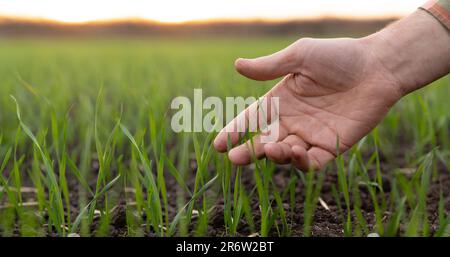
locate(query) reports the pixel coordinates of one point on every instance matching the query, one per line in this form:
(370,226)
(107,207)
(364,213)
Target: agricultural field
(86,148)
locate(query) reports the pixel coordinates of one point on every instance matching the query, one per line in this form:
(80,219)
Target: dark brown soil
(329,223)
(325,223)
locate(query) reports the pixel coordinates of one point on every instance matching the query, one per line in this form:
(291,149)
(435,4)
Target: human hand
(335,91)
(332,89)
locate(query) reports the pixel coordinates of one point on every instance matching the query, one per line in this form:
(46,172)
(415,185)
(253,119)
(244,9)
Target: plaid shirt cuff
(440,9)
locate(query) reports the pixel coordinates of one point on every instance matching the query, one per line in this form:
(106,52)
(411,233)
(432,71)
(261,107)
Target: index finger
(249,120)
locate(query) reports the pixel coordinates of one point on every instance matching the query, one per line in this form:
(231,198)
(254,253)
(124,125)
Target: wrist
(411,52)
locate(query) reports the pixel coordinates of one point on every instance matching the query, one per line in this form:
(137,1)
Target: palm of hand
(329,96)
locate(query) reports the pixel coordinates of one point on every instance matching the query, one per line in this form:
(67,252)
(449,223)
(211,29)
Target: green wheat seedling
(86,147)
(154,200)
(55,204)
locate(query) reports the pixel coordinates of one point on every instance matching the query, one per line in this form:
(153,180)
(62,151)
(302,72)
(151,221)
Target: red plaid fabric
(440,9)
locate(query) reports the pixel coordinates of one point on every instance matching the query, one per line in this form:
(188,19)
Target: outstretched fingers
(293,149)
(314,158)
(256,117)
(254,148)
(289,149)
(281,152)
(245,153)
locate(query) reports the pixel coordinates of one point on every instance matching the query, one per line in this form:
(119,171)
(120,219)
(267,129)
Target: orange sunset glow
(174,11)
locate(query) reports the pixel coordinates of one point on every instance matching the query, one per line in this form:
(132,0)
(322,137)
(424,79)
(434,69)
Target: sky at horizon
(185,10)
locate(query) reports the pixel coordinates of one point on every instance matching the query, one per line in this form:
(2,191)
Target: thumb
(271,66)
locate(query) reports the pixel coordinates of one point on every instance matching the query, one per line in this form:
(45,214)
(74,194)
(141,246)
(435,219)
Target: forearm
(415,50)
